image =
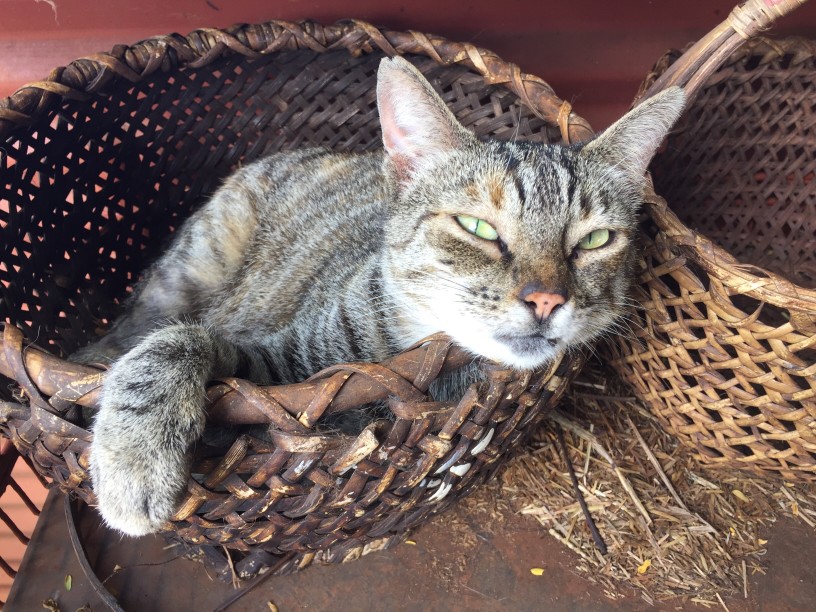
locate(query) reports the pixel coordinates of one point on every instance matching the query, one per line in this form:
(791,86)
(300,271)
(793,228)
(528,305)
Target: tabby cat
(305,259)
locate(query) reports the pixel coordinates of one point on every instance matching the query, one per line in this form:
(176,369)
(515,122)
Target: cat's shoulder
(301,163)
(287,174)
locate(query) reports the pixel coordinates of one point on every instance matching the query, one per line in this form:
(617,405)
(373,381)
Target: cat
(516,250)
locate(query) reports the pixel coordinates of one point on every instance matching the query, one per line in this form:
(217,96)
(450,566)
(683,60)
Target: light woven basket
(725,349)
(101,161)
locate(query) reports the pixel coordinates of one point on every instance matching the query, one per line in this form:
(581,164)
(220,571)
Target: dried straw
(671,528)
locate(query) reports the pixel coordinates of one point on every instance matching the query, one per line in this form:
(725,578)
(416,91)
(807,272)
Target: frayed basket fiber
(102,160)
(724,351)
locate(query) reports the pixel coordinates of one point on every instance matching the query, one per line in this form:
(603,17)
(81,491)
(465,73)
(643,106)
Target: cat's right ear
(630,143)
(416,123)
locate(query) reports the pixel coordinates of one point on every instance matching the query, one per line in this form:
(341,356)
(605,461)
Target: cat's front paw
(151,413)
(136,493)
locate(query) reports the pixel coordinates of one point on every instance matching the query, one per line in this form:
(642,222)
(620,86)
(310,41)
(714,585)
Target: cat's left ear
(630,143)
(416,123)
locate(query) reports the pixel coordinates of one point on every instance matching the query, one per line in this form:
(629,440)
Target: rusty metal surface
(470,559)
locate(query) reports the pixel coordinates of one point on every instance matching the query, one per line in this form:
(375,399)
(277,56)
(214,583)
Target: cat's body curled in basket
(310,258)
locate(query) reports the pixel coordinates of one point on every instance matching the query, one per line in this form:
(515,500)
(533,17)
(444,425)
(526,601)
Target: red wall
(593,52)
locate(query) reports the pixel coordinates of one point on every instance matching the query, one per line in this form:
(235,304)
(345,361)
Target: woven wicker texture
(726,351)
(101,162)
(757,114)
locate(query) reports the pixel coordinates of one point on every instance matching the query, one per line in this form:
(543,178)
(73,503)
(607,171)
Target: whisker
(448,281)
(451,281)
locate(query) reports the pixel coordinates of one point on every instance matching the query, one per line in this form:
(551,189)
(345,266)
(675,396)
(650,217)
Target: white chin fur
(475,338)
(497,351)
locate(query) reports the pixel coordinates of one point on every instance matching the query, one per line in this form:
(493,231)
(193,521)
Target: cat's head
(516,250)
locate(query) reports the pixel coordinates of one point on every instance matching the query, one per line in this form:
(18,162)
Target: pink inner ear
(393,135)
(395,143)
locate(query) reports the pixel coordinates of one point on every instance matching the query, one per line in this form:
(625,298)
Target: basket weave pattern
(726,351)
(102,161)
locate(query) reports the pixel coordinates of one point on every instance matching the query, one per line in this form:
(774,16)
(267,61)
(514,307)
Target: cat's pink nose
(542,304)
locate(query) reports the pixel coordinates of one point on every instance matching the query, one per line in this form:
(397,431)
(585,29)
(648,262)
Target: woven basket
(101,161)
(725,350)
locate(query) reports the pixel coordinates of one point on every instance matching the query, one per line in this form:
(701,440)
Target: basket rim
(90,74)
(745,279)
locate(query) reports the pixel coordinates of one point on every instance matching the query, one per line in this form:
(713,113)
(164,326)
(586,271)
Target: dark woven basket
(726,350)
(102,161)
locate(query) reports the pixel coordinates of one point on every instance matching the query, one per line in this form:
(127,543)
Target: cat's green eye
(478,227)
(594,240)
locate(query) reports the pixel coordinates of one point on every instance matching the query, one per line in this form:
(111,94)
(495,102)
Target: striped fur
(311,258)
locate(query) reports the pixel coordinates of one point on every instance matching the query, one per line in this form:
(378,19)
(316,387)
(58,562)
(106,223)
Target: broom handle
(692,69)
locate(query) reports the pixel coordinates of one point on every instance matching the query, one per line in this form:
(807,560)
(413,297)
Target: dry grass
(671,528)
